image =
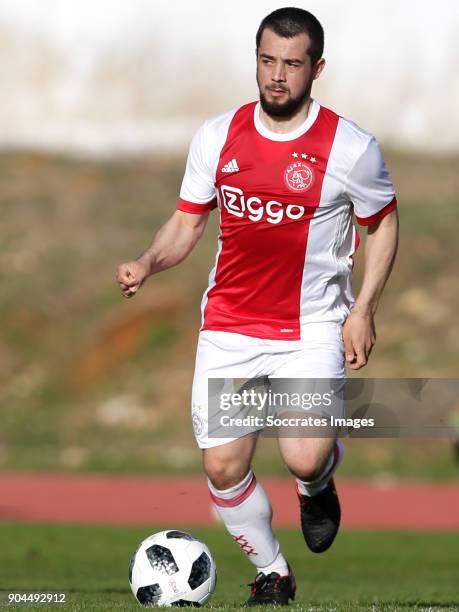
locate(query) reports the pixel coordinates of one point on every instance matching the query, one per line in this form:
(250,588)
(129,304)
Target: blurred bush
(89,380)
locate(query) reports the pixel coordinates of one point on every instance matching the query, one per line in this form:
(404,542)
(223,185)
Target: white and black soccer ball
(172,568)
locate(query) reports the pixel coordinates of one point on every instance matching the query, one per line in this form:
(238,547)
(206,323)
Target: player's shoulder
(354,134)
(222,121)
(351,141)
(217,126)
(213,132)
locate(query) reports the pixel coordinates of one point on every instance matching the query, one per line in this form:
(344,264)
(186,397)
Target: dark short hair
(289,22)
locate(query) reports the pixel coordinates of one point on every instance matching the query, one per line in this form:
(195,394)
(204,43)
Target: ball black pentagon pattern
(161,559)
(149,595)
(179,535)
(200,571)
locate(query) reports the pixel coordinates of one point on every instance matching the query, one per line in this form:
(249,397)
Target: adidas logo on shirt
(231,166)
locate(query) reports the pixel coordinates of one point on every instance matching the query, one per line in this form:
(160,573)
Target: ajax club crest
(298,176)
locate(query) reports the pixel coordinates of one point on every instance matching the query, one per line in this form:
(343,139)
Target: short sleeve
(197,194)
(369,187)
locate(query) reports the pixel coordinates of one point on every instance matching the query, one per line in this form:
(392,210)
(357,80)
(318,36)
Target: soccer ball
(172,568)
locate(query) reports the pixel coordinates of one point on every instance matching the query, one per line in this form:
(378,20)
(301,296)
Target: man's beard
(284,110)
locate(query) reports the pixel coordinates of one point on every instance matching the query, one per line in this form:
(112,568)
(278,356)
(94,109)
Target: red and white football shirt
(286,202)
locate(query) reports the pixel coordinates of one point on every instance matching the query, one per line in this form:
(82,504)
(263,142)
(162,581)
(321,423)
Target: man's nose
(279,73)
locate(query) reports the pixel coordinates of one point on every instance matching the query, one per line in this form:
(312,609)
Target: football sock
(316,486)
(279,565)
(247,514)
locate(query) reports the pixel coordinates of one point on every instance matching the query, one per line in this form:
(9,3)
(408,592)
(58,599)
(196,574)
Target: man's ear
(320,65)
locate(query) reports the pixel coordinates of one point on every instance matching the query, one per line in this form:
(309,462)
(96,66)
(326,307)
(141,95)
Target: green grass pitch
(369,571)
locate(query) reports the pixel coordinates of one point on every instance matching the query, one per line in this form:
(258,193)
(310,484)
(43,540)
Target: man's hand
(359,338)
(131,276)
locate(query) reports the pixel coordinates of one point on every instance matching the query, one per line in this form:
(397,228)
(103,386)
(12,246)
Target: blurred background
(99,102)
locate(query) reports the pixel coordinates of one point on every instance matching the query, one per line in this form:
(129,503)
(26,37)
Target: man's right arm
(171,245)
(177,237)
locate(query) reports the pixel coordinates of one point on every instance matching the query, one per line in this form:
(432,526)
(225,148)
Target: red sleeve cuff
(197,209)
(379,215)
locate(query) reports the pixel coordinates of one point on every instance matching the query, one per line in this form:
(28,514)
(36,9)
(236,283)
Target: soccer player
(287,175)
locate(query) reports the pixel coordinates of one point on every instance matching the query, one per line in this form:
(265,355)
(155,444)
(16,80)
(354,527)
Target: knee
(225,473)
(307,468)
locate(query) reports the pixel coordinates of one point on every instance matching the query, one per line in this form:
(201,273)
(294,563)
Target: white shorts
(320,354)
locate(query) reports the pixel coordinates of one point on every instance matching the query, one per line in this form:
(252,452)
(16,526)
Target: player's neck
(283,125)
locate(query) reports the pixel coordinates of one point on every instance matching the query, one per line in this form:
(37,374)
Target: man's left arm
(380,251)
